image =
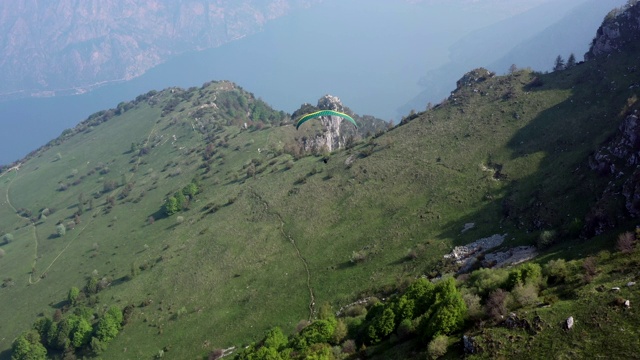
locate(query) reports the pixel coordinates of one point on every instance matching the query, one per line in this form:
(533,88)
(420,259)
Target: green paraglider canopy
(316,114)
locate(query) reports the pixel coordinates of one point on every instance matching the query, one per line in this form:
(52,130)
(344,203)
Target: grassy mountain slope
(271,236)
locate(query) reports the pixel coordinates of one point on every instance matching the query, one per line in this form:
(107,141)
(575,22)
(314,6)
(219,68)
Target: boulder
(569,323)
(469,346)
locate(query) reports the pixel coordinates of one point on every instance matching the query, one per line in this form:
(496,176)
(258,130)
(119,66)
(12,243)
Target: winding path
(312,301)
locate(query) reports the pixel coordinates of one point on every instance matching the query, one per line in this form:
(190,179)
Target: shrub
(486,280)
(525,295)
(349,347)
(61,230)
(590,269)
(438,346)
(556,271)
(358,256)
(546,239)
(7,238)
(474,309)
(496,304)
(626,242)
(340,332)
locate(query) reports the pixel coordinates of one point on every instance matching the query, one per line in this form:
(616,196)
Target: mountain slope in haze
(274,236)
(568,27)
(66,47)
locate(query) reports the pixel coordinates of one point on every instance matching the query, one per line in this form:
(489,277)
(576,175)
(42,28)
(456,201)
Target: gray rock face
(620,29)
(331,137)
(619,158)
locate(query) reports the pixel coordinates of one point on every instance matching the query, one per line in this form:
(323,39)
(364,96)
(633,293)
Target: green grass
(236,270)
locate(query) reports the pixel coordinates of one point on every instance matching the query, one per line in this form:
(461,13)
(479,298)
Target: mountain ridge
(500,155)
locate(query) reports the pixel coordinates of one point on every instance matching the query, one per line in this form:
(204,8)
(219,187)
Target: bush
(525,295)
(438,346)
(496,305)
(358,256)
(7,238)
(626,242)
(556,271)
(474,309)
(546,239)
(590,269)
(485,281)
(61,230)
(349,347)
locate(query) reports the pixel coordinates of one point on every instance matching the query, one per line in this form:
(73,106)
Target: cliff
(619,31)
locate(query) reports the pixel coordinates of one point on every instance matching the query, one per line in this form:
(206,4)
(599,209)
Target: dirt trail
(312,301)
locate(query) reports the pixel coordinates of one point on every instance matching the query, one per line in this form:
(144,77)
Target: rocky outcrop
(332,137)
(622,152)
(619,31)
(618,159)
(66,46)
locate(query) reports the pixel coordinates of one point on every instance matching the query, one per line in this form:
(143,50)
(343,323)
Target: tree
(559,64)
(513,68)
(382,326)
(449,310)
(422,294)
(72,296)
(191,190)
(275,339)
(61,230)
(571,62)
(171,206)
(28,347)
(81,333)
(108,328)
(319,331)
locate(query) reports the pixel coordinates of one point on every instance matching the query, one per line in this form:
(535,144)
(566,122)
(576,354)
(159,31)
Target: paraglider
(316,114)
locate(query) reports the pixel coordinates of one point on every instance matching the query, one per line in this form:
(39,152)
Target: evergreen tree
(571,62)
(559,64)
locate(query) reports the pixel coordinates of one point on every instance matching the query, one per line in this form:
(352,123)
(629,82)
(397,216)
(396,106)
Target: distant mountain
(69,46)
(566,27)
